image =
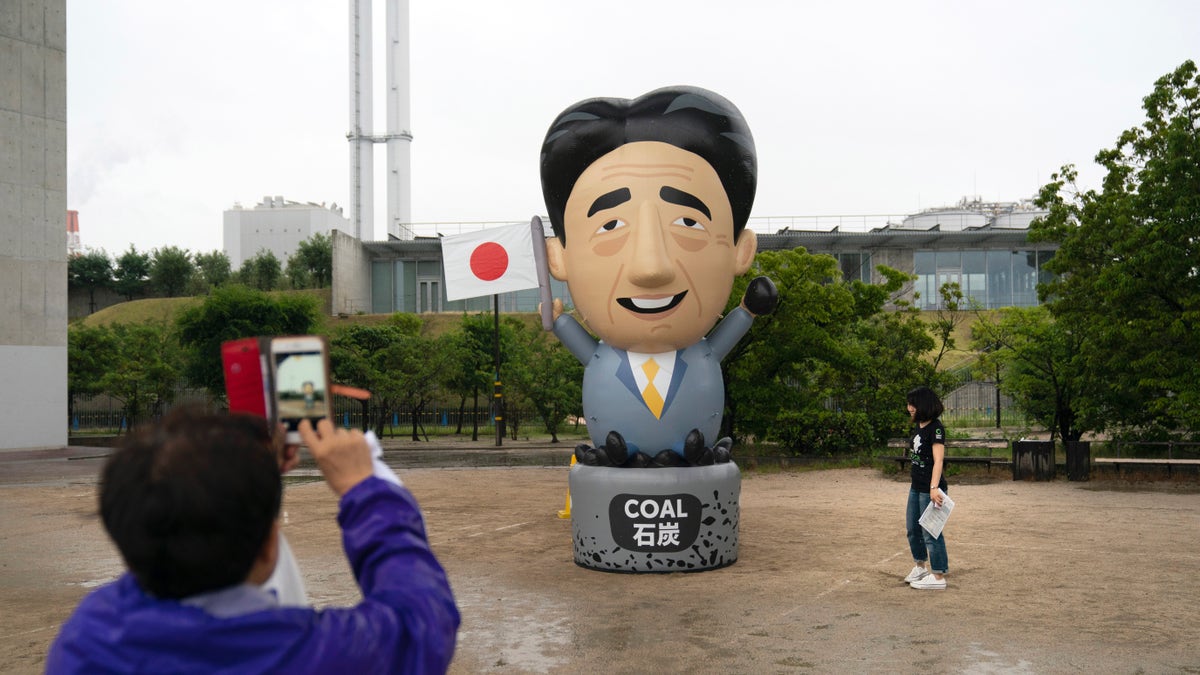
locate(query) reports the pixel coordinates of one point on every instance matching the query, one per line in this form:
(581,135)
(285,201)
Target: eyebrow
(673,196)
(609,200)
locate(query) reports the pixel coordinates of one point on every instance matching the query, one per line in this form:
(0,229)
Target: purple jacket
(406,622)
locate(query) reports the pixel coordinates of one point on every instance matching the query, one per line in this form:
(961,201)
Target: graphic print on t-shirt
(915,457)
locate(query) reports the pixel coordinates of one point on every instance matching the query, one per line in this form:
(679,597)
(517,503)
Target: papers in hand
(934,518)
(381,470)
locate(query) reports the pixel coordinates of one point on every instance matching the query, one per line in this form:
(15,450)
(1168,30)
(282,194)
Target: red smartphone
(247,376)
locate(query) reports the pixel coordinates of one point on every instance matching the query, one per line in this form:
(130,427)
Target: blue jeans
(923,546)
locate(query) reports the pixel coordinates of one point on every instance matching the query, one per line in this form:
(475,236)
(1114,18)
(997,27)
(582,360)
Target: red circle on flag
(489,261)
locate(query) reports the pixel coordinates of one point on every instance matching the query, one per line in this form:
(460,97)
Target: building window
(1025,278)
(855,266)
(999,279)
(989,279)
(925,288)
(381,288)
(974,278)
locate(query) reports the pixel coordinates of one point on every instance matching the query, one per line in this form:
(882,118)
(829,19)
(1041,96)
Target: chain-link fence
(980,405)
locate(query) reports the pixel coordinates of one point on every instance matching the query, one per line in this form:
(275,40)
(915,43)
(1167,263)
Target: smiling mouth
(651,305)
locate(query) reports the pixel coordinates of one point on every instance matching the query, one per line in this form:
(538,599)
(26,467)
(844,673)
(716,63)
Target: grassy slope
(961,354)
(166,309)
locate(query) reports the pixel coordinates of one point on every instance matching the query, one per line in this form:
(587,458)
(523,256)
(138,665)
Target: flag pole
(538,234)
(498,395)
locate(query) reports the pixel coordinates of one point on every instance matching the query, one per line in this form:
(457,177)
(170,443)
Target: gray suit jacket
(694,400)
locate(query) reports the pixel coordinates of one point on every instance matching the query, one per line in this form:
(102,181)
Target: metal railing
(1191,450)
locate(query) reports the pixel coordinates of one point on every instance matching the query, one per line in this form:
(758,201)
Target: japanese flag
(495,260)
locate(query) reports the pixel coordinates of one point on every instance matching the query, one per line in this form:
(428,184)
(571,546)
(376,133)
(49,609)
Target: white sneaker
(917,572)
(929,583)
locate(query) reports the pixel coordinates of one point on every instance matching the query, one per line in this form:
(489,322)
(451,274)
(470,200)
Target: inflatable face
(651,254)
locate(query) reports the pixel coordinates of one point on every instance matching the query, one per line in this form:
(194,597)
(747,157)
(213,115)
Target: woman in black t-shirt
(927,456)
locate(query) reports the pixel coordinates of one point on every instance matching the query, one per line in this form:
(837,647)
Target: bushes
(823,432)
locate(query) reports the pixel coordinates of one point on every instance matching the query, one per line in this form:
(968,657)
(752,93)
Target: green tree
(232,312)
(90,271)
(143,369)
(948,316)
(170,271)
(353,353)
(399,366)
(474,368)
(213,269)
(1127,282)
(547,376)
(461,375)
(417,363)
(828,370)
(771,369)
(132,273)
(1037,359)
(297,275)
(885,357)
(90,350)
(311,266)
(263,271)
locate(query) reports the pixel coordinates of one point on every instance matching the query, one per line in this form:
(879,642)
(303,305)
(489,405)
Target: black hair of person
(928,405)
(690,118)
(190,500)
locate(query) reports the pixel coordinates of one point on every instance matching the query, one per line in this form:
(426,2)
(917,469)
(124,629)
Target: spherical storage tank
(947,220)
(1017,220)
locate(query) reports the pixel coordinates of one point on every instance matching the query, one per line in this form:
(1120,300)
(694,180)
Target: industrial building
(983,247)
(33,241)
(277,225)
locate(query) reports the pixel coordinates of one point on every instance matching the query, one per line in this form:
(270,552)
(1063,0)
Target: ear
(268,555)
(556,258)
(744,250)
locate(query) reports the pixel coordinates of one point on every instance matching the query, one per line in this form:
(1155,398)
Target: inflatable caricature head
(649,199)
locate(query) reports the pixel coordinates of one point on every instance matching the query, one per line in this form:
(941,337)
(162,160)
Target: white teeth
(652,303)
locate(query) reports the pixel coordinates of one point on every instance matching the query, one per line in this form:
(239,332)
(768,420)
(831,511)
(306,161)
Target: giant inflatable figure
(648,199)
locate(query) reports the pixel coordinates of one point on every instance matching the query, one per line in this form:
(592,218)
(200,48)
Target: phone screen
(301,391)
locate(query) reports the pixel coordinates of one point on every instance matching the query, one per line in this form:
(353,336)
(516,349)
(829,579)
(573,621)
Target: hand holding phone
(300,375)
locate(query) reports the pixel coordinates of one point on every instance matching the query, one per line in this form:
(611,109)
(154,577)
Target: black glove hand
(761,296)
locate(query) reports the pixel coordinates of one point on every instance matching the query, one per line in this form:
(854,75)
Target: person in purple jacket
(192,504)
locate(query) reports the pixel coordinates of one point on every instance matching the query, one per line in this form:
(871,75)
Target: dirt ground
(1050,577)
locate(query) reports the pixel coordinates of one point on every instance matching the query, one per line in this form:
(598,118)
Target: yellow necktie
(650,394)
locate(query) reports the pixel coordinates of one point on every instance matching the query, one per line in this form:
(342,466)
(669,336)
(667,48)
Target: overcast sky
(177,110)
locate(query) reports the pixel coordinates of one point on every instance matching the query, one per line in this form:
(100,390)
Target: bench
(988,444)
(1190,447)
(1118,462)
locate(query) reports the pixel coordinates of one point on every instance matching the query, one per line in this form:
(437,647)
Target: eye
(610,226)
(689,224)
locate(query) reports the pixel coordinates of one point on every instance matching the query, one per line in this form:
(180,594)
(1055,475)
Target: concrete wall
(896,258)
(351,275)
(33,231)
(79,302)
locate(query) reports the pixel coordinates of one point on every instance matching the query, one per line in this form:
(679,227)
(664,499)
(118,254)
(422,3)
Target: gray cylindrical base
(655,520)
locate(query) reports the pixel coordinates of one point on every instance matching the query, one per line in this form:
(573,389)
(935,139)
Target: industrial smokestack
(362,136)
(362,148)
(399,136)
